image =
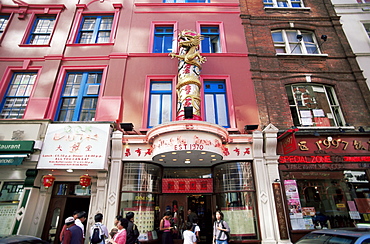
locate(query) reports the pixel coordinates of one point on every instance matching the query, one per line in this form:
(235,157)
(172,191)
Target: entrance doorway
(179,204)
(65,199)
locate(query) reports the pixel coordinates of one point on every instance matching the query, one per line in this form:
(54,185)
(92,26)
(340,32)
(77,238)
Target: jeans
(221,242)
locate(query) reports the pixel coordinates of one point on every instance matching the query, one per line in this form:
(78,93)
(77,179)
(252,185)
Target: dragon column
(189,68)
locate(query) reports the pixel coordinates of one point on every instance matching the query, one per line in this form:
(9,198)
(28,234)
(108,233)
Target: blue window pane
(216,109)
(163,37)
(41,31)
(3,23)
(160,104)
(79,96)
(211,41)
(17,95)
(95,29)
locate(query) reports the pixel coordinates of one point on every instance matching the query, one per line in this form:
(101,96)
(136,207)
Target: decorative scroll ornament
(189,68)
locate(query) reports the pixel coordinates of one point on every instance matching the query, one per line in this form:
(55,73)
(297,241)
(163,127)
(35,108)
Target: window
(41,30)
(163,39)
(314,105)
(215,104)
(15,102)
(363,1)
(186,1)
(160,103)
(3,23)
(79,96)
(211,41)
(295,42)
(95,29)
(283,3)
(367,28)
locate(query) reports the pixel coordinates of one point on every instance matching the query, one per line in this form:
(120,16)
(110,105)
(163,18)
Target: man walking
(98,231)
(73,233)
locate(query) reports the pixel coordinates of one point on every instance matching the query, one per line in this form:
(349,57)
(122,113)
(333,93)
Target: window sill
(301,54)
(288,8)
(90,44)
(326,127)
(33,45)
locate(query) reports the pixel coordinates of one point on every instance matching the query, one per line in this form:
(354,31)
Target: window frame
(9,78)
(331,100)
(80,97)
(286,44)
(222,38)
(9,17)
(154,25)
(366,26)
(95,31)
(146,103)
(289,3)
(35,24)
(229,98)
(60,83)
(81,13)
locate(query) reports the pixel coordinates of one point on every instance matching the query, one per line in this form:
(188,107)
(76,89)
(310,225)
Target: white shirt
(81,225)
(189,237)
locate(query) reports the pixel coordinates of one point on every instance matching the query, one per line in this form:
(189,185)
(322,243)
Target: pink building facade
(92,85)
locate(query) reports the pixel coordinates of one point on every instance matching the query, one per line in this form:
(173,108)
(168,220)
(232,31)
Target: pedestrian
(81,217)
(98,230)
(74,215)
(121,236)
(191,216)
(221,229)
(196,228)
(72,233)
(189,235)
(132,231)
(165,226)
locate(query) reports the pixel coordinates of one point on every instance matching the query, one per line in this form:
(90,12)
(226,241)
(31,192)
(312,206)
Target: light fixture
(48,180)
(361,129)
(250,127)
(188,112)
(203,153)
(324,38)
(127,126)
(329,138)
(341,130)
(69,170)
(187,161)
(188,151)
(85,180)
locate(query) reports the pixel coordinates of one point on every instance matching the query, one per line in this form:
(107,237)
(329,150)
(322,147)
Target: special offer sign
(75,146)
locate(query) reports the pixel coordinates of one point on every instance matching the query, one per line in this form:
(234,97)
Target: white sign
(75,146)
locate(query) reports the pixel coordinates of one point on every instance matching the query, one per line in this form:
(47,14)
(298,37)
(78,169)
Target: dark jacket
(132,233)
(73,235)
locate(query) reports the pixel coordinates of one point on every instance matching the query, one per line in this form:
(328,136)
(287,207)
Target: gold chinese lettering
(302,146)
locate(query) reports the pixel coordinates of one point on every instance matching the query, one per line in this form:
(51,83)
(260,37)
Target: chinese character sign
(75,146)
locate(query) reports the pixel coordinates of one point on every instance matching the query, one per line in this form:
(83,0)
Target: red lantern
(85,180)
(48,180)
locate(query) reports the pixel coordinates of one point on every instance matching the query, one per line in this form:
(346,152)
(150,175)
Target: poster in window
(292,195)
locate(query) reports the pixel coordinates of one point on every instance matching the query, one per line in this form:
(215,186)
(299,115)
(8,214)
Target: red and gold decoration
(48,180)
(85,180)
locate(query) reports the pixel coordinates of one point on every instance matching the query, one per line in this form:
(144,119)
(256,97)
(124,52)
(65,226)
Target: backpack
(96,237)
(226,233)
(193,230)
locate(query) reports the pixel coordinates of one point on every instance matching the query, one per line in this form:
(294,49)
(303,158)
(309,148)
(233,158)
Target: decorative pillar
(189,68)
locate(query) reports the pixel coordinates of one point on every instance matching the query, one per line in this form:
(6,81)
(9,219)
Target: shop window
(327,199)
(3,23)
(163,39)
(17,95)
(314,105)
(79,96)
(211,39)
(95,29)
(215,103)
(41,30)
(160,103)
(141,183)
(295,42)
(235,197)
(9,200)
(283,3)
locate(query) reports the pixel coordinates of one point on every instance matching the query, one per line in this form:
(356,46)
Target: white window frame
(277,3)
(291,47)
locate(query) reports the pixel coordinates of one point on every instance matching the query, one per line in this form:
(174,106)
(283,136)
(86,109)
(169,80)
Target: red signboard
(288,143)
(178,185)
